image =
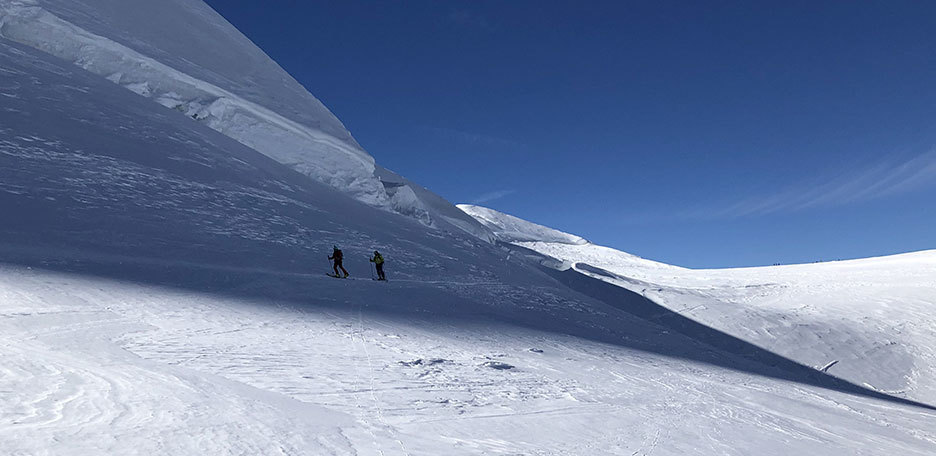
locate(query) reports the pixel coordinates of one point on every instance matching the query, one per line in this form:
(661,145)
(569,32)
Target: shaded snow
(184,56)
(412,199)
(162,290)
(869,321)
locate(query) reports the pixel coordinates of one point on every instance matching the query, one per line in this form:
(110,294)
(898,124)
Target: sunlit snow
(163,289)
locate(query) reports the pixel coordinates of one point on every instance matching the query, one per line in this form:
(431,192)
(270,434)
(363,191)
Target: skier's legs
(380,274)
(339,265)
(336,267)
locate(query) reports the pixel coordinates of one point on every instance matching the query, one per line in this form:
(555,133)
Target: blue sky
(704,134)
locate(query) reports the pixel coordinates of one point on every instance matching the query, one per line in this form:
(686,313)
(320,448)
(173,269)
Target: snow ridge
(337,162)
(863,320)
(512,229)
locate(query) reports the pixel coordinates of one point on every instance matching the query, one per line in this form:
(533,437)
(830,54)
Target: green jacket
(377,259)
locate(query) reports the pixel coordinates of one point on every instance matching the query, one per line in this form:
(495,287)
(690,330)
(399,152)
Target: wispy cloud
(883,179)
(491,196)
(474,139)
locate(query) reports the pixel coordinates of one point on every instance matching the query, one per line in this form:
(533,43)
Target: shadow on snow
(101,182)
(728,351)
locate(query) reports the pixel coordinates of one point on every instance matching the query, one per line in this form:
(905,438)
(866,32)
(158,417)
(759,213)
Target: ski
(351,278)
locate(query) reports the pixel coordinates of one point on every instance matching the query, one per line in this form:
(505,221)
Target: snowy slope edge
(865,320)
(557,244)
(512,229)
(340,163)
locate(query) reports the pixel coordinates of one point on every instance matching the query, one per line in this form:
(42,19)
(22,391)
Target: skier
(337,256)
(378,260)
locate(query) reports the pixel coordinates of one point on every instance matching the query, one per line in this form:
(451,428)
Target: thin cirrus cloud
(491,196)
(881,180)
(472,139)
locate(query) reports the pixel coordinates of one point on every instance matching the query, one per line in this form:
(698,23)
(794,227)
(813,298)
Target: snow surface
(186,57)
(162,291)
(412,199)
(869,321)
(508,228)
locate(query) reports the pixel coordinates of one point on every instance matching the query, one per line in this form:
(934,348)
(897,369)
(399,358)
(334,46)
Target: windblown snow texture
(183,55)
(508,228)
(162,290)
(867,321)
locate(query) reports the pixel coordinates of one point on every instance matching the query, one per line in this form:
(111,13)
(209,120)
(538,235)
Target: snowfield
(869,321)
(93,365)
(163,291)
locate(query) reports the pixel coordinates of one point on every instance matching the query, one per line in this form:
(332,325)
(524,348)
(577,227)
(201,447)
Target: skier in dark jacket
(378,260)
(337,256)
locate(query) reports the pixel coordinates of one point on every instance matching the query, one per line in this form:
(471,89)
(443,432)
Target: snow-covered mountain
(869,321)
(186,57)
(162,289)
(507,228)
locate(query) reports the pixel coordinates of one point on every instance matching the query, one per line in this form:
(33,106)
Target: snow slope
(414,200)
(162,290)
(186,57)
(869,321)
(507,228)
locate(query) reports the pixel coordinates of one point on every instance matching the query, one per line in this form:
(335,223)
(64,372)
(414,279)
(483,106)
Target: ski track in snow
(867,321)
(64,379)
(157,297)
(149,361)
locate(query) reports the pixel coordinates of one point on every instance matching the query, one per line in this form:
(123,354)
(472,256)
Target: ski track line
(558,412)
(357,400)
(653,445)
(863,414)
(373,388)
(122,260)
